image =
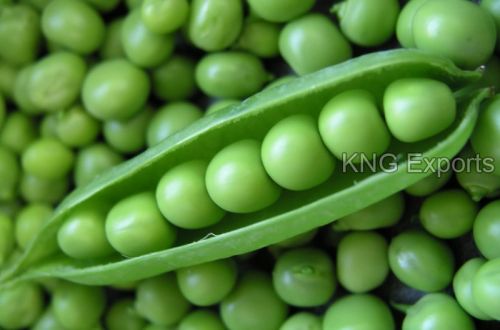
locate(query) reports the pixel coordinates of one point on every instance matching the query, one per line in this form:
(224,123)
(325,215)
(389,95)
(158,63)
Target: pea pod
(298,212)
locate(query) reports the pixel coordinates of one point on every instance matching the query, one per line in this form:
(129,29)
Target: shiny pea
(47,321)
(486,230)
(164,16)
(9,174)
(75,127)
(47,158)
(29,222)
(174,80)
(93,160)
(129,135)
(486,288)
(280,10)
(301,321)
(260,38)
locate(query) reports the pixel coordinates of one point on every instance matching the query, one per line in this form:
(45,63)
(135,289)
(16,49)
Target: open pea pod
(295,212)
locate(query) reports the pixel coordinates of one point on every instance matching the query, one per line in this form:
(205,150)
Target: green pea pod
(295,212)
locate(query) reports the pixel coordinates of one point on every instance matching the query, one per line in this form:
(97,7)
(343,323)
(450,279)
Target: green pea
(367,23)
(30,221)
(237,181)
(20,305)
(38,190)
(21,91)
(174,80)
(78,306)
(436,311)
(294,155)
(115,89)
(418,108)
(421,261)
(48,321)
(253,304)
(404,26)
(230,74)
(48,125)
(260,38)
(76,128)
(208,283)
(170,119)
(93,160)
(215,24)
(143,47)
(6,238)
(104,5)
(18,132)
(164,16)
(129,135)
(313,42)
(159,300)
(135,226)
(429,184)
(486,288)
(112,47)
(201,320)
(486,230)
(8,75)
(74,25)
(302,321)
(362,263)
(493,8)
(358,312)
(280,10)
(19,34)
(156,326)
(221,104)
(9,174)
(462,287)
(479,184)
(352,128)
(183,199)
(122,316)
(47,158)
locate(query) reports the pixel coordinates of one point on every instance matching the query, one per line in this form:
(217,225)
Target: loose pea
(486,230)
(421,261)
(76,128)
(164,16)
(48,125)
(418,108)
(21,91)
(159,300)
(30,221)
(404,26)
(294,155)
(112,45)
(221,104)
(280,10)
(429,184)
(215,24)
(486,288)
(479,184)
(6,238)
(8,75)
(170,119)
(143,47)
(47,158)
(183,199)
(358,312)
(260,38)
(352,128)
(129,135)
(174,80)
(302,321)
(122,316)
(115,89)
(48,321)
(201,320)
(493,8)
(208,283)
(313,42)
(237,181)
(20,305)
(93,160)
(9,174)
(135,226)
(230,74)
(34,189)
(18,132)
(74,25)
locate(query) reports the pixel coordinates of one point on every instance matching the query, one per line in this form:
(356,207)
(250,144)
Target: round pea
(93,160)
(201,320)
(112,45)
(20,305)
(479,184)
(48,125)
(47,158)
(76,128)
(260,38)
(22,92)
(8,75)
(9,174)
(18,132)
(29,222)
(34,189)
(135,226)
(429,184)
(174,80)
(493,7)
(48,321)
(404,26)
(122,316)
(311,43)
(280,10)
(237,181)
(486,230)
(418,108)
(115,89)
(164,16)
(6,238)
(129,135)
(486,288)
(302,321)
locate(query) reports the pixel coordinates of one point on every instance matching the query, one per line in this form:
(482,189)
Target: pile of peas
(87,84)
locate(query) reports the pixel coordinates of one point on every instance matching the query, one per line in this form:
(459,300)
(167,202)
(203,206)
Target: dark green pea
(362,263)
(47,158)
(280,10)
(34,189)
(128,136)
(18,132)
(104,5)
(20,305)
(479,184)
(74,25)
(170,119)
(221,104)
(174,80)
(164,16)
(8,75)
(143,47)
(237,181)
(230,74)
(76,128)
(493,8)
(112,45)
(159,300)
(304,277)
(437,311)
(215,24)
(429,184)
(462,288)
(208,283)
(294,155)
(29,222)
(21,91)
(19,34)
(421,261)
(253,304)
(78,306)
(486,288)
(260,38)
(9,174)
(302,321)
(358,312)
(313,42)
(6,238)
(122,316)
(48,321)
(385,213)
(201,320)
(486,230)
(93,160)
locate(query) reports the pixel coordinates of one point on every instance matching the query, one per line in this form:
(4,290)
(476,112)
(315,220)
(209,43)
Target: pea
(280,10)
(493,8)
(221,104)
(20,305)
(38,190)
(115,89)
(112,47)
(430,184)
(8,75)
(135,226)
(486,288)
(129,135)
(48,321)
(9,174)
(170,119)
(30,221)
(260,38)
(357,312)
(479,184)
(486,232)
(311,43)
(76,128)
(143,47)
(352,128)
(418,108)
(237,181)
(104,5)
(21,91)
(230,74)
(122,316)
(47,158)
(367,23)
(174,80)
(93,160)
(18,132)
(6,238)
(301,321)
(164,16)
(215,24)
(201,320)
(253,295)
(421,261)
(48,125)
(159,300)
